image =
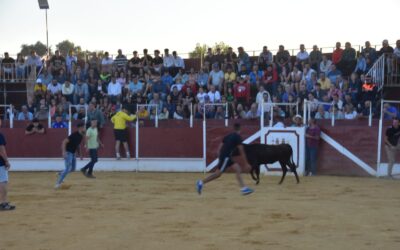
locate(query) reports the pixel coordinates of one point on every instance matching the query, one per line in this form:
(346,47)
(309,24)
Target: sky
(130,25)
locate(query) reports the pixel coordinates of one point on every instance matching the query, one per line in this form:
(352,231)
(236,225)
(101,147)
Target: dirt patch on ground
(163,211)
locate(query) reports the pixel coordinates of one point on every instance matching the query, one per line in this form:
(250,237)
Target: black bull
(258,154)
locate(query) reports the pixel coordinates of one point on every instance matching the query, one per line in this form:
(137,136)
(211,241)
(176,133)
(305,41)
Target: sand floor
(163,211)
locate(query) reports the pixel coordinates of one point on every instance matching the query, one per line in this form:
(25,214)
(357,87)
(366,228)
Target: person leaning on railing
(8,67)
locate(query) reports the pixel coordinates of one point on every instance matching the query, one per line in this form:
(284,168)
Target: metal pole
(378,164)
(156,121)
(297,108)
(304,112)
(11,116)
(262,114)
(333,117)
(70,121)
(191,115)
(137,140)
(47,36)
(86,118)
(226,114)
(204,146)
(49,119)
(370,115)
(271,120)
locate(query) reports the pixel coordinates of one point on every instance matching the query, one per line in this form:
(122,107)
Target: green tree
(66,46)
(201,49)
(39,47)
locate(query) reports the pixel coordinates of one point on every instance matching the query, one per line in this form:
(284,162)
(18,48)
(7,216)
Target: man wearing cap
(69,147)
(40,89)
(297,121)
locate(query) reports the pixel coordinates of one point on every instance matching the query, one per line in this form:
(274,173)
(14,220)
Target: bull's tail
(291,159)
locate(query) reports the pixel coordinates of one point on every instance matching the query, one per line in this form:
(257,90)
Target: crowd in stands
(335,85)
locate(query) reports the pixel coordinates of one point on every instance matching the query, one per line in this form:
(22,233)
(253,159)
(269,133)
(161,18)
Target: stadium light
(44,5)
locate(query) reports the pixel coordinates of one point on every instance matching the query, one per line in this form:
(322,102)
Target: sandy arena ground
(163,211)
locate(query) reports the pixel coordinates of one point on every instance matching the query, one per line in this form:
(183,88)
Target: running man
(4,167)
(92,144)
(120,132)
(226,148)
(68,148)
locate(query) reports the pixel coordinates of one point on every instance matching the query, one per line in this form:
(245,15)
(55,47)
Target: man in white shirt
(114,89)
(201,95)
(54,88)
(325,65)
(67,90)
(178,61)
(168,61)
(107,63)
(215,96)
(302,55)
(71,58)
(216,77)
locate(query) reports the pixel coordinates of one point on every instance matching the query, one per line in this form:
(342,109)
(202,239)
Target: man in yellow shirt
(324,81)
(121,135)
(230,78)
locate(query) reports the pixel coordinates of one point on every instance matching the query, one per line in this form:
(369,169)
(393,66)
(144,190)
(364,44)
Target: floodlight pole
(47,36)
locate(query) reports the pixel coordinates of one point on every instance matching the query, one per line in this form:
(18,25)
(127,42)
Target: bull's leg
(252,172)
(284,170)
(257,168)
(293,169)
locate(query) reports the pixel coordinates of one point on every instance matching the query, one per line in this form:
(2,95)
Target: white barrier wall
(295,137)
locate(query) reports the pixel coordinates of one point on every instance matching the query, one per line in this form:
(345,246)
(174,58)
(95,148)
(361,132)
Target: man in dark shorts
(226,148)
(121,134)
(69,147)
(4,167)
(392,144)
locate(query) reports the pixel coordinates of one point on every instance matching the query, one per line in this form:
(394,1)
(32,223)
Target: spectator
(157,102)
(164,114)
(142,113)
(239,112)
(135,86)
(20,67)
(158,86)
(392,144)
(81,90)
(54,89)
(369,53)
(324,82)
(335,112)
(178,84)
(179,64)
(318,93)
(366,110)
(260,94)
(349,112)
(46,77)
(120,62)
(270,80)
(389,112)
(219,113)
(325,65)
(107,63)
(168,62)
(264,59)
(205,110)
(57,62)
(337,54)
(348,60)
(361,66)
(34,128)
(386,49)
(69,61)
(39,90)
(157,62)
(315,58)
(297,121)
(303,55)
(81,114)
(216,78)
(214,95)
(313,133)
(114,90)
(8,67)
(295,74)
(252,113)
(229,78)
(146,61)
(94,113)
(25,115)
(59,123)
(266,104)
(255,77)
(202,78)
(94,63)
(34,62)
(243,58)
(321,113)
(333,74)
(134,64)
(230,58)
(242,91)
(282,57)
(67,90)
(190,84)
(396,51)
(178,114)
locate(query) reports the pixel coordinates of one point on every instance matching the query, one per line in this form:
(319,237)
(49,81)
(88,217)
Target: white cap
(39,80)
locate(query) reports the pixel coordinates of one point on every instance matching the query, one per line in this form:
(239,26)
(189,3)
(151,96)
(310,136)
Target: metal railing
(377,72)
(9,109)
(393,71)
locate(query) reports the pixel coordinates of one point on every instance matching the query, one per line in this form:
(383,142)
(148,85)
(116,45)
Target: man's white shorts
(3,174)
